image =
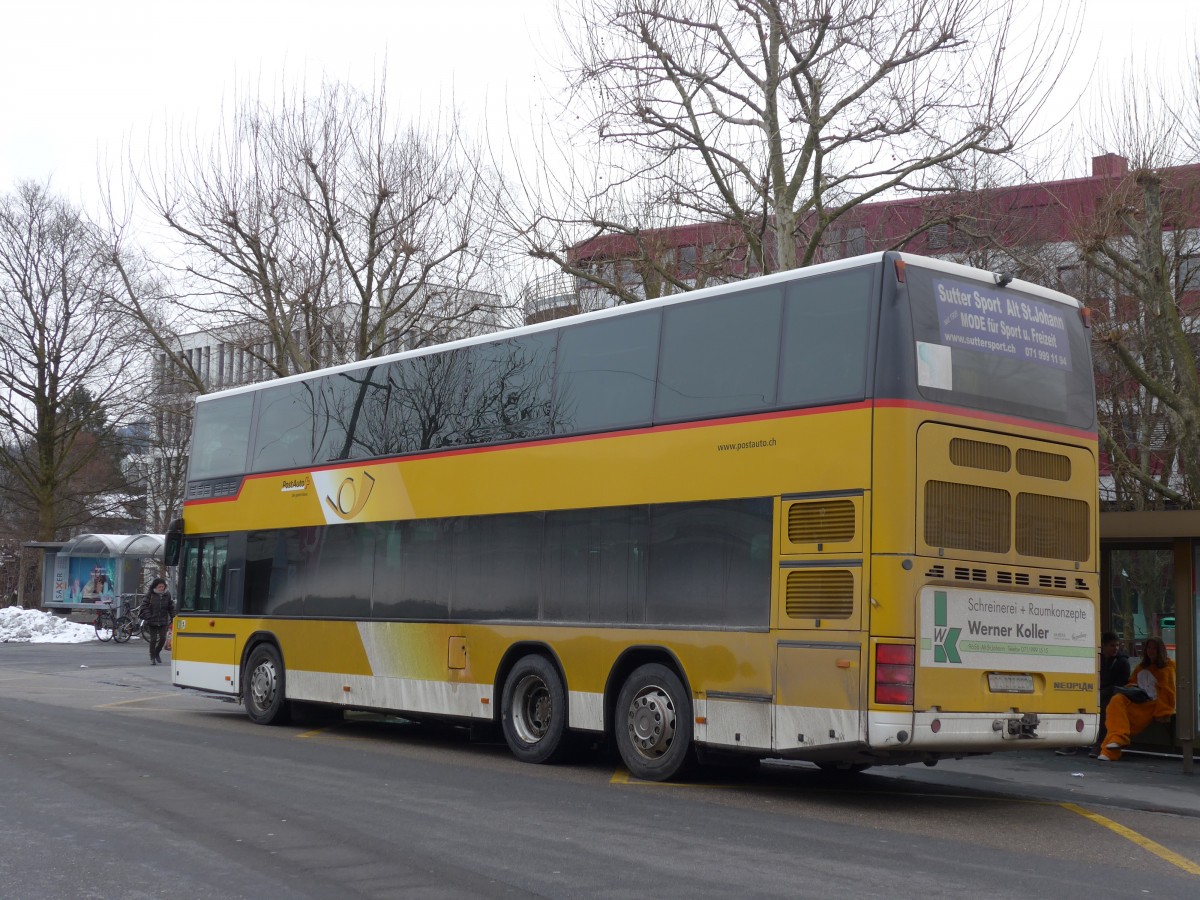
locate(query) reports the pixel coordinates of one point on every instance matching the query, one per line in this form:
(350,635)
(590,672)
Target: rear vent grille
(1044,465)
(820,594)
(980,455)
(821,522)
(1004,577)
(1053,527)
(967,517)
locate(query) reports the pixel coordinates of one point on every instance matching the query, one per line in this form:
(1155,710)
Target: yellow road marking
(313,733)
(621,776)
(1144,842)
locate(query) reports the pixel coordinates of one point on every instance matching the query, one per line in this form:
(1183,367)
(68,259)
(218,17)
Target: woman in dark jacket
(158,609)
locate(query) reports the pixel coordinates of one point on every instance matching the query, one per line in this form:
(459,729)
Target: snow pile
(32,626)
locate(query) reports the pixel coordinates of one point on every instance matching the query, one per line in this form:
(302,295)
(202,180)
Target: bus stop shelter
(94,570)
(1148,566)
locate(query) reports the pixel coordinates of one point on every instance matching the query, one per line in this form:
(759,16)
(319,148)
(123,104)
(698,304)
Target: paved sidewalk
(1136,781)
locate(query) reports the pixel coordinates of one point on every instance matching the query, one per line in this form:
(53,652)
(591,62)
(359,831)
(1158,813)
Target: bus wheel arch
(648,710)
(533,705)
(264,682)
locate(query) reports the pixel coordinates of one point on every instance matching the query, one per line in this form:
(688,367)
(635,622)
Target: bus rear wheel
(263,684)
(533,711)
(653,723)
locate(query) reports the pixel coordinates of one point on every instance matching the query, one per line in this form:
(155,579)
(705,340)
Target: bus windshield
(996,348)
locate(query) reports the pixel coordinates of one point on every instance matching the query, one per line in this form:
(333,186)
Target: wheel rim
(651,722)
(263,685)
(532,709)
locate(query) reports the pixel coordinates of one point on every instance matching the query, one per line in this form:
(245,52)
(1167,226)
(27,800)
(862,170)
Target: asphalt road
(113,784)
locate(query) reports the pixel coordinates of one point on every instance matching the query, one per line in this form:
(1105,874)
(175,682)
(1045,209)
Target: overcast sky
(81,78)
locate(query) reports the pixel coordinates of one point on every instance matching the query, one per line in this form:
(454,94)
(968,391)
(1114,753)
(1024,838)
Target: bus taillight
(895,668)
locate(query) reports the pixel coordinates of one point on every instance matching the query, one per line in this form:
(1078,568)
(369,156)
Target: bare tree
(776,118)
(315,231)
(1143,240)
(68,368)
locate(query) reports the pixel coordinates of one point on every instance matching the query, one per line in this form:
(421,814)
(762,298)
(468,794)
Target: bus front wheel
(533,711)
(263,687)
(653,723)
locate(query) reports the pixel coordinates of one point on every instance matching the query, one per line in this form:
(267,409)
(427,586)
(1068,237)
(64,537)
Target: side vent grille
(820,594)
(967,517)
(1052,581)
(980,455)
(1053,527)
(821,522)
(1044,465)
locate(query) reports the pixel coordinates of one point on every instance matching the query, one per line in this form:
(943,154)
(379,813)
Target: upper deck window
(826,338)
(222,437)
(719,356)
(286,418)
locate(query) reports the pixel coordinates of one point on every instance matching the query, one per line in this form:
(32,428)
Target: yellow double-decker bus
(845,514)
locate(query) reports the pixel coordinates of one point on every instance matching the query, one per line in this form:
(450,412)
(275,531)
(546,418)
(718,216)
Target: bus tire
(264,687)
(653,723)
(533,711)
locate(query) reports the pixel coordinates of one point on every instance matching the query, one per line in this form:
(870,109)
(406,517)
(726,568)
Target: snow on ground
(32,626)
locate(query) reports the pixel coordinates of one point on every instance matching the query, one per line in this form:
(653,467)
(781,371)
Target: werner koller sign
(992,630)
(973,317)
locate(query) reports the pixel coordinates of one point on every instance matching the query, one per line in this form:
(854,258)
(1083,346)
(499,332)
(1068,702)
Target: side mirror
(173,543)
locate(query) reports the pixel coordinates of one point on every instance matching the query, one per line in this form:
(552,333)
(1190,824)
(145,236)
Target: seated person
(1130,710)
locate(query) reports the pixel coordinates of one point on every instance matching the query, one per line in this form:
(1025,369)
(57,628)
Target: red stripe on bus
(965,412)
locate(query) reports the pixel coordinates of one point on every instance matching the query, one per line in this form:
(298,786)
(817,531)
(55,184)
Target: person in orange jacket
(1149,696)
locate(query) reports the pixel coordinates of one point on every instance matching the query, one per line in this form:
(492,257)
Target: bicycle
(106,625)
(131,625)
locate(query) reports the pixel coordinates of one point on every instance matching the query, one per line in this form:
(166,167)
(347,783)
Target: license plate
(1000,683)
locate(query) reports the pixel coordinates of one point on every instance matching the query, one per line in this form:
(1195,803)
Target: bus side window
(187,589)
(826,339)
(742,331)
(211,593)
(203,582)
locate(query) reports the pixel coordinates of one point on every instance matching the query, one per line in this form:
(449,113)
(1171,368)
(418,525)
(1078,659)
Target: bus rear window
(994,348)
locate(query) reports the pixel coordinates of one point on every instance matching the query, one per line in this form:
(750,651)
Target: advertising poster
(91,579)
(993,321)
(1006,632)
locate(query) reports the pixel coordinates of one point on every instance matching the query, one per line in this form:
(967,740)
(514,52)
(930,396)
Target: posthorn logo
(945,638)
(351,496)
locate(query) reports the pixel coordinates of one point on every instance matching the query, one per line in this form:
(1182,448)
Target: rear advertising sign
(972,629)
(973,317)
